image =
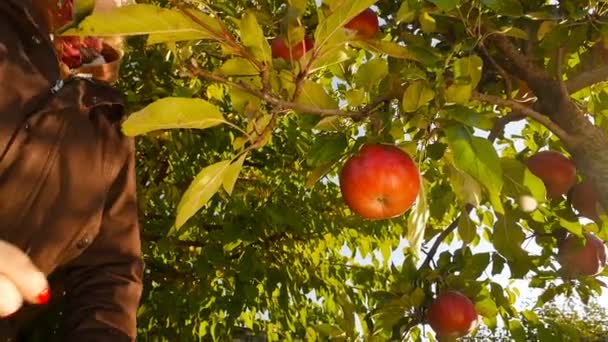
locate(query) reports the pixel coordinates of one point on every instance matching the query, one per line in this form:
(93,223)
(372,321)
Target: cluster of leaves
(243,222)
(569,320)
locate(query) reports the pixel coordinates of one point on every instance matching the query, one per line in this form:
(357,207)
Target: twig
(502,122)
(280,103)
(224,36)
(529,112)
(444,234)
(501,71)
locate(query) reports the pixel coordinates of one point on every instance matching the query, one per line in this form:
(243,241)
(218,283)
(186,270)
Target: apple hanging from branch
(365,24)
(380,182)
(452,315)
(555,170)
(586,259)
(280,49)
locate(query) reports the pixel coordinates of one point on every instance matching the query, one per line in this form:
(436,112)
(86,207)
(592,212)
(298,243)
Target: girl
(69,235)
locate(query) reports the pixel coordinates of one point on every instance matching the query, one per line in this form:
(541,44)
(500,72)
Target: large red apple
(379,182)
(584,200)
(582,260)
(555,170)
(365,24)
(452,315)
(280,48)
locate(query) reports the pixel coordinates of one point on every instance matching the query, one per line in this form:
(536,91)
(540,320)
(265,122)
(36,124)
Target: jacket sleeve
(104,284)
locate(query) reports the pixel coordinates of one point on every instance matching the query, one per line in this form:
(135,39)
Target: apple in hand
(555,170)
(587,259)
(584,200)
(452,315)
(365,24)
(280,48)
(380,182)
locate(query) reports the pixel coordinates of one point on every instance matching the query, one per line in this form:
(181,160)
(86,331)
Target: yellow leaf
(173,112)
(160,24)
(232,174)
(205,185)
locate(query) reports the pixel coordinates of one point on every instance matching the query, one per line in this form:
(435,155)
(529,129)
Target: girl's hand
(20,280)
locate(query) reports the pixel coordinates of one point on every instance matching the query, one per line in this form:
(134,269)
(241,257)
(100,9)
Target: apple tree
(280,142)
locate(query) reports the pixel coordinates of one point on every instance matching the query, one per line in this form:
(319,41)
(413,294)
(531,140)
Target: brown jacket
(67,186)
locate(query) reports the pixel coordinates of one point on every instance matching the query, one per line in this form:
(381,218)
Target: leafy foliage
(238,157)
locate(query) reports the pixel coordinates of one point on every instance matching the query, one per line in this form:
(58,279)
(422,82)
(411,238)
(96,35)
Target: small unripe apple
(365,24)
(380,182)
(586,260)
(281,50)
(555,170)
(452,315)
(584,200)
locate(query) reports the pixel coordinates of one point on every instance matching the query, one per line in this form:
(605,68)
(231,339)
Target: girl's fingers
(10,298)
(26,277)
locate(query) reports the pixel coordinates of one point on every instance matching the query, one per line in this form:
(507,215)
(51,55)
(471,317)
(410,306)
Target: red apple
(555,170)
(365,24)
(280,49)
(379,182)
(586,260)
(583,199)
(452,315)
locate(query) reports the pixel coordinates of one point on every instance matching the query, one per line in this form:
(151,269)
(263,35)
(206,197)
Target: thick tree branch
(283,104)
(528,112)
(587,78)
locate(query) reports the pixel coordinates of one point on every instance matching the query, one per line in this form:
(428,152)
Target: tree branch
(282,104)
(528,112)
(444,234)
(587,78)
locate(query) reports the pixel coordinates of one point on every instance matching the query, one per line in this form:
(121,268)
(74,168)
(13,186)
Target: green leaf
(517,331)
(486,307)
(467,70)
(388,48)
(427,22)
(417,94)
(417,220)
(328,57)
(507,238)
(458,93)
(477,157)
(470,117)
(467,189)
(313,94)
(520,181)
(205,185)
(405,14)
(173,112)
(238,67)
(371,73)
(330,331)
(232,174)
(326,148)
(253,38)
(160,24)
(466,228)
(505,7)
(514,32)
(446,5)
